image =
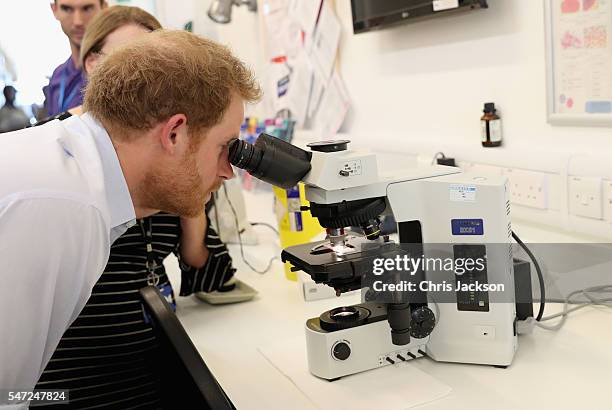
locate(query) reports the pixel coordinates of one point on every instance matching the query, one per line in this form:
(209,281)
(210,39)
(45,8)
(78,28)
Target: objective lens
(371,229)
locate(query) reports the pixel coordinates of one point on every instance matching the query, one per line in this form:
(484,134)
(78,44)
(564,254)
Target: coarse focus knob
(422,323)
(341,351)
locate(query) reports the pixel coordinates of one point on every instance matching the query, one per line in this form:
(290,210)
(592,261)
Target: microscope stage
(341,271)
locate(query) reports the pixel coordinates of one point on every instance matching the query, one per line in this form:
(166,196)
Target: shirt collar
(70,67)
(117,193)
(67,69)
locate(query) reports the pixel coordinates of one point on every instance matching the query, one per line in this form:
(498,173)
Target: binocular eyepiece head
(271,160)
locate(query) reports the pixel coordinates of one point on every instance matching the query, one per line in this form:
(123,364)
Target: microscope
(438,211)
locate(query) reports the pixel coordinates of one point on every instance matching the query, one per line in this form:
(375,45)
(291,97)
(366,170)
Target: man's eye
(224,150)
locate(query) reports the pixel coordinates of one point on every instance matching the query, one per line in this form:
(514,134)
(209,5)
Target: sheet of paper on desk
(332,109)
(325,41)
(399,386)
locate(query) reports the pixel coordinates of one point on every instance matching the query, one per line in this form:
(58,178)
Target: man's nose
(78,18)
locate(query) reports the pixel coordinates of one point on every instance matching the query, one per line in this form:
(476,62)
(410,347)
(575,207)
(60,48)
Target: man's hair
(9,92)
(101,2)
(109,20)
(166,73)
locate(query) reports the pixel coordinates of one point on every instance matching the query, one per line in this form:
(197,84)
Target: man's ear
(54,9)
(90,62)
(174,137)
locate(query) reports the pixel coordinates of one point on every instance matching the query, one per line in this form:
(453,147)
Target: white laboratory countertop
(567,369)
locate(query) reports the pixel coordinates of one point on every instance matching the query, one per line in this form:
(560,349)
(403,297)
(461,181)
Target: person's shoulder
(59,69)
(53,207)
(49,198)
(15,143)
(57,225)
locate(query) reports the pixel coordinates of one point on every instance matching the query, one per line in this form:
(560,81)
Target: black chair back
(185,378)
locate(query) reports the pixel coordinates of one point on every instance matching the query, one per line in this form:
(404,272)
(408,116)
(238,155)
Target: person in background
(67,82)
(104,356)
(12,117)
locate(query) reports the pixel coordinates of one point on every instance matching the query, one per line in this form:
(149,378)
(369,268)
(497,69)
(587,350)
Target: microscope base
(332,355)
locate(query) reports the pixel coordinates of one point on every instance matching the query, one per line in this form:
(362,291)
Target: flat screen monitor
(375,14)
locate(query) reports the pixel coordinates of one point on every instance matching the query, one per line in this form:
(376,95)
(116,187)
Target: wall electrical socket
(528,188)
(585,197)
(607,200)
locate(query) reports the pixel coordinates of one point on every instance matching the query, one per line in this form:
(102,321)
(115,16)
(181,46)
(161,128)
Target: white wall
(426,82)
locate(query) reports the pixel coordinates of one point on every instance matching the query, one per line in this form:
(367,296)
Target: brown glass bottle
(490,127)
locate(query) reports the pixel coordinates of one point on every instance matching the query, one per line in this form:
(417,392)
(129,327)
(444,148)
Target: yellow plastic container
(294,226)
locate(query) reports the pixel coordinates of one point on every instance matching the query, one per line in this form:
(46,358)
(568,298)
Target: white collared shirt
(63,201)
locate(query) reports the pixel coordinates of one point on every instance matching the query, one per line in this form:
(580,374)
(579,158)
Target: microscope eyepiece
(244,155)
(272,160)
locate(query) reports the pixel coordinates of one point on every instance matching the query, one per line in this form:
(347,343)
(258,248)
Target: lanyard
(61,102)
(152,278)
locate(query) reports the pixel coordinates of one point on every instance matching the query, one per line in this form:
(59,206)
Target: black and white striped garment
(104,356)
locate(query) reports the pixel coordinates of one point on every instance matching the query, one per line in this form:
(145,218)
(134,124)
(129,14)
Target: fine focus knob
(341,351)
(422,323)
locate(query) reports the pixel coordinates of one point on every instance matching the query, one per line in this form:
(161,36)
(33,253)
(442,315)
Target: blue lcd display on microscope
(467,226)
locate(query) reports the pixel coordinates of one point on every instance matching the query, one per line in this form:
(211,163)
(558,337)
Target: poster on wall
(302,39)
(579,61)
